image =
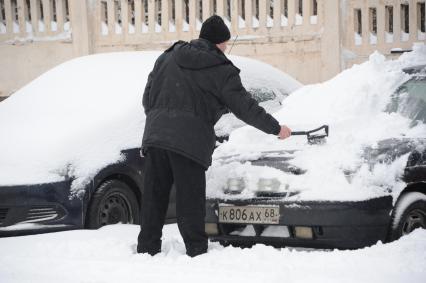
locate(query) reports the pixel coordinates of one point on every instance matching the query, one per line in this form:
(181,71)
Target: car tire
(112,202)
(409,214)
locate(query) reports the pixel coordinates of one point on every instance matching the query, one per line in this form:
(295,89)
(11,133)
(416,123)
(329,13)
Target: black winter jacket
(191,86)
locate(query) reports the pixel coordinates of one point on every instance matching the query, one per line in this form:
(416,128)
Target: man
(191,86)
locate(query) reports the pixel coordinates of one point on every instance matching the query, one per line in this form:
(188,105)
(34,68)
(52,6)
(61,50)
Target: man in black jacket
(191,86)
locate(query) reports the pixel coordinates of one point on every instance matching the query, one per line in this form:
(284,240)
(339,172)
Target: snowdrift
(109,255)
(353,104)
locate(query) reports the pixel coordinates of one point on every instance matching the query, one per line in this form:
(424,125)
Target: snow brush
(315,136)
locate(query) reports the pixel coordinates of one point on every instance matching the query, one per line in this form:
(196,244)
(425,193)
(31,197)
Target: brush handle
(299,133)
(303,133)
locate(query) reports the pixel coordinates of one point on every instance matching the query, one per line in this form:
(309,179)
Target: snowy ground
(108,255)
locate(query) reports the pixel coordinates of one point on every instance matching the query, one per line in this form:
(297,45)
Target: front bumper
(342,225)
(41,208)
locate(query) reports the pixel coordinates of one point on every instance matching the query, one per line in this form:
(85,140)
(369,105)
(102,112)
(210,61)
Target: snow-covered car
(70,141)
(366,183)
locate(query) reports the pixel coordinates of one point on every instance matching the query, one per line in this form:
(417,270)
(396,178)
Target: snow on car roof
(76,118)
(352,104)
(255,74)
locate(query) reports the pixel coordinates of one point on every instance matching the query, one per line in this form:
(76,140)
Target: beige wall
(293,48)
(22,63)
(310,49)
(288,56)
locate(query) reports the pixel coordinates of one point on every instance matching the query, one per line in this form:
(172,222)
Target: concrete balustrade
(112,18)
(61,14)
(257,20)
(8,16)
(33,20)
(21,11)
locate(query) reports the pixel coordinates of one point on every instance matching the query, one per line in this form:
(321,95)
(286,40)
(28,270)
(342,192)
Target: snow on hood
(352,104)
(76,118)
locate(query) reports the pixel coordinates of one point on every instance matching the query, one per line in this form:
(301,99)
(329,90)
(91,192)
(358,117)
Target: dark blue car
(69,146)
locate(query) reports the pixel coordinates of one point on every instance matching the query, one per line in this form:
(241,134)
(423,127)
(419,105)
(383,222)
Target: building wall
(311,44)
(21,64)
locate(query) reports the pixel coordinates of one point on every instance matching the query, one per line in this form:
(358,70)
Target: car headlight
(235,185)
(268,184)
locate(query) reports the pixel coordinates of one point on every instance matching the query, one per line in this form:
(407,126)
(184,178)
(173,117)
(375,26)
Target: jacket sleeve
(145,98)
(246,108)
(150,80)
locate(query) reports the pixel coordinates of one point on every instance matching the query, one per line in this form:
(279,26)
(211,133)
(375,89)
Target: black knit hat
(215,30)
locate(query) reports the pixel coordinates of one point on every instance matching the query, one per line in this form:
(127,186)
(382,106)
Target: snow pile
(76,118)
(353,104)
(108,255)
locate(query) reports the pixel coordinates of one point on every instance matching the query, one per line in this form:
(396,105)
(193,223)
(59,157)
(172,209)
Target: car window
(410,99)
(262,94)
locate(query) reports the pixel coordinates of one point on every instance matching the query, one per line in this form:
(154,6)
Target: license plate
(249,214)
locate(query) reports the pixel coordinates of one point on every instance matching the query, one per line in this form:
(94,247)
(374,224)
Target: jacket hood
(198,54)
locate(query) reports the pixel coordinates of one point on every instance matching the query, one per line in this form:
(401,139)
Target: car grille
(43,213)
(3,214)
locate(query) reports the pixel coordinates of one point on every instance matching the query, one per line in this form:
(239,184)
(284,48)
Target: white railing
(392,22)
(367,23)
(147,20)
(34,19)
(140,21)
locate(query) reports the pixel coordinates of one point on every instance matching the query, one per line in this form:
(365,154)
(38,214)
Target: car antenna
(233,42)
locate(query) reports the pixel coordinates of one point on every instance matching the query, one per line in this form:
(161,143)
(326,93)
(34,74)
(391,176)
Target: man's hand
(285,132)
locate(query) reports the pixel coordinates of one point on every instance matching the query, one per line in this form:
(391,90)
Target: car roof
(415,69)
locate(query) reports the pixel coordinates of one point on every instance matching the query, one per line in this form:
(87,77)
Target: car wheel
(408,215)
(113,202)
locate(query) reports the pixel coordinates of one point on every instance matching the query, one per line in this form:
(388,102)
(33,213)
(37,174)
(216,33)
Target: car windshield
(262,94)
(410,99)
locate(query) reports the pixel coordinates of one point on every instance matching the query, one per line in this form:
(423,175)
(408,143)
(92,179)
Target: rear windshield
(262,94)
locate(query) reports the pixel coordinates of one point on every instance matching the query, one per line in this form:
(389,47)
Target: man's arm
(150,79)
(236,98)
(145,97)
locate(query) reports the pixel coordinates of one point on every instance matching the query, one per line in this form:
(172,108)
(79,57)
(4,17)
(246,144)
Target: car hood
(251,172)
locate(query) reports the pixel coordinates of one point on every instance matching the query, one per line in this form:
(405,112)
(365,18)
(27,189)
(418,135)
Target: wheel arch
(419,187)
(125,178)
(137,190)
(414,187)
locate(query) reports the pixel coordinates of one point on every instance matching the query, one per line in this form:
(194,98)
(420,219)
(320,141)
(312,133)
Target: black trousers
(162,169)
